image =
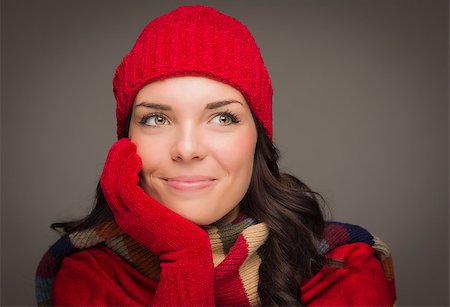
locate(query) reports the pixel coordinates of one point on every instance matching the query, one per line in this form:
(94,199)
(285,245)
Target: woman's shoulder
(98,275)
(365,276)
(99,259)
(360,281)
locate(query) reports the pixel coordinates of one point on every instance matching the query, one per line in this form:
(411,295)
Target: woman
(191,208)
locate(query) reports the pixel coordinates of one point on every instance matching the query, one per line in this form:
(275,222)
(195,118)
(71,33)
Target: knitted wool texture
(235,255)
(201,41)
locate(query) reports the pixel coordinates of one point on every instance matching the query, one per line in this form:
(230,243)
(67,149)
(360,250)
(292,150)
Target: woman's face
(196,138)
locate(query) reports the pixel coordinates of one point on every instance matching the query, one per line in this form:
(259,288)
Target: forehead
(188,90)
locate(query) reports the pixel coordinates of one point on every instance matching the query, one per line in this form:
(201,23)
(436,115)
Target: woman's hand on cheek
(163,231)
(187,270)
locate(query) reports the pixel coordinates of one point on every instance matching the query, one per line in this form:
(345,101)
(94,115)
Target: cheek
(150,154)
(237,155)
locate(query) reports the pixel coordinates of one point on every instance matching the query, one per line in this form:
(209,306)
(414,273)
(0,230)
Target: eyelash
(233,117)
(148,116)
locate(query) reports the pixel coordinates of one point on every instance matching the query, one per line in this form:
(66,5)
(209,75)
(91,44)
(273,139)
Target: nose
(188,144)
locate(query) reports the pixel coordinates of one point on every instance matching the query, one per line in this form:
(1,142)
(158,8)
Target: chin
(200,221)
(198,213)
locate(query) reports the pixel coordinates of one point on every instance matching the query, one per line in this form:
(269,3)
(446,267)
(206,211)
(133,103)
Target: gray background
(360,114)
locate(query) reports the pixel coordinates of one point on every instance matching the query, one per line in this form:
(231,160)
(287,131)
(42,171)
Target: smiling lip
(189,183)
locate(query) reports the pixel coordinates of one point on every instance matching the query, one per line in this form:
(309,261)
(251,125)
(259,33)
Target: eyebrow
(218,104)
(165,107)
(153,105)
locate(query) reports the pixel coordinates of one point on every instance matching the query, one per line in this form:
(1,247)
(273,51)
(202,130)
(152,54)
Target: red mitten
(187,271)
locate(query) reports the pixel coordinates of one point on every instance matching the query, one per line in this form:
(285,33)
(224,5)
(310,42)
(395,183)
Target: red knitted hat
(201,41)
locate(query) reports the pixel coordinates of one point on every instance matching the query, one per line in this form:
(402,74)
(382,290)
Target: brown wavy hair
(292,212)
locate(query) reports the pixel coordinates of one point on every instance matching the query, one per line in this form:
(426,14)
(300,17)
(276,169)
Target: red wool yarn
(200,41)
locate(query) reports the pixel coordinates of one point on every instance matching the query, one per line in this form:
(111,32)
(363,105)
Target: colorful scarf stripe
(234,246)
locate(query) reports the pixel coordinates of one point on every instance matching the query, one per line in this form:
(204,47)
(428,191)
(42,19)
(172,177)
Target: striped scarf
(234,246)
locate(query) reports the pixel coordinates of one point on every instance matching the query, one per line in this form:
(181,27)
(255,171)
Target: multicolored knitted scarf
(234,246)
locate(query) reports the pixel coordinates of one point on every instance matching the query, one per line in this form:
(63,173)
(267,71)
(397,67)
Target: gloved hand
(184,249)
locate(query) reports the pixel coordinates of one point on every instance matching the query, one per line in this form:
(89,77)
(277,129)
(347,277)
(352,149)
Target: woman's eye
(154,120)
(225,119)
